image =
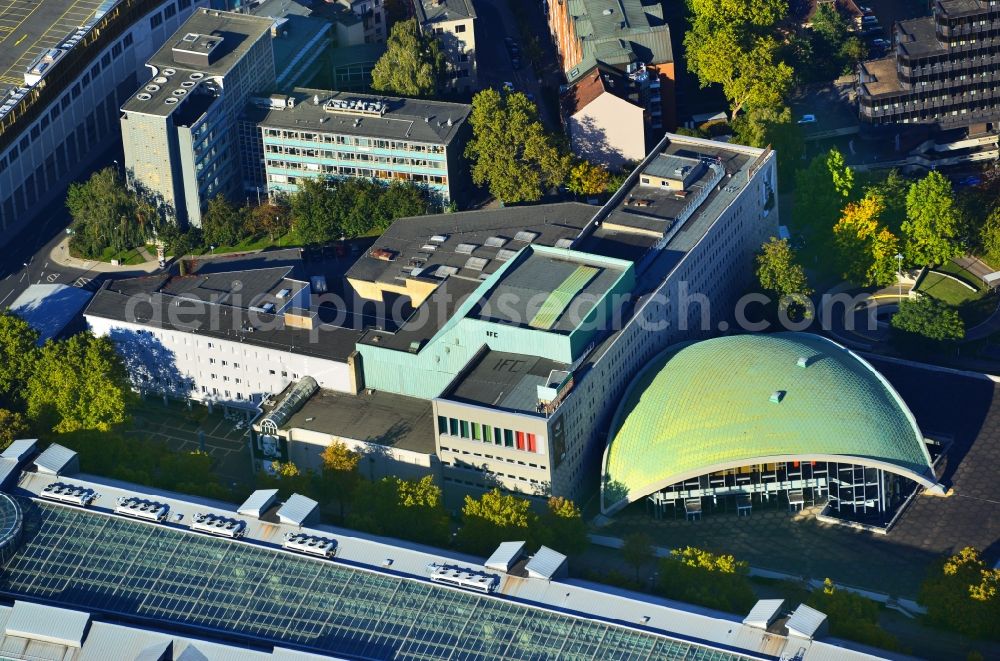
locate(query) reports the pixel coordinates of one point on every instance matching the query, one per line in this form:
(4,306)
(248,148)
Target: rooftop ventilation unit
(188,84)
(439,238)
(356,107)
(428,247)
(564,243)
(803,361)
(777,396)
(179,92)
(525,237)
(152,88)
(476,263)
(504,254)
(465,248)
(284,293)
(170,101)
(495,242)
(383,254)
(159,80)
(460,577)
(143,96)
(197,75)
(310,544)
(142,509)
(67,493)
(213,524)
(169,72)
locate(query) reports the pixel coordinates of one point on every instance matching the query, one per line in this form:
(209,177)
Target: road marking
(23,37)
(82,282)
(52,277)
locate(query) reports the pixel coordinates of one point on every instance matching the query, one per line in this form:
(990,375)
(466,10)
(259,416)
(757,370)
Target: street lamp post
(899,274)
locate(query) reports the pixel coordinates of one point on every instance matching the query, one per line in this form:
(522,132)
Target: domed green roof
(741,399)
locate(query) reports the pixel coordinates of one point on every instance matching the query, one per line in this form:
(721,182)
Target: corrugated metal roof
(57,460)
(505,556)
(47,623)
(297,510)
(20,449)
(805,621)
(545,564)
(154,652)
(8,470)
(258,502)
(192,653)
(763,613)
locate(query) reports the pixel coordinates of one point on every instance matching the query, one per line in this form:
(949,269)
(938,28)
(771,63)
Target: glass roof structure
(113,565)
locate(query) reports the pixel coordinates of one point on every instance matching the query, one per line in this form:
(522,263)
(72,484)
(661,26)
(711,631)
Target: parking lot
(186,429)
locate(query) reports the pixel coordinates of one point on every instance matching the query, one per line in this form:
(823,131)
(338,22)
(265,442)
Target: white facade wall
(216,370)
(608,130)
(60,143)
(305,450)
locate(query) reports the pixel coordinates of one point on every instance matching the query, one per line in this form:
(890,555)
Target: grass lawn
(129,257)
(288,240)
(974,305)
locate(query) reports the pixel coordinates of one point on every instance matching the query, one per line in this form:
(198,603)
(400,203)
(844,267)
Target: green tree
(851,616)
(12,427)
(989,238)
(562,527)
(933,221)
(412,64)
(778,270)
(891,189)
(961,594)
(866,249)
(270,218)
(107,215)
(223,224)
(315,212)
(18,355)
(510,151)
(340,473)
(700,577)
(637,551)
(924,319)
(493,518)
(730,43)
(410,509)
(78,383)
(586,178)
(773,126)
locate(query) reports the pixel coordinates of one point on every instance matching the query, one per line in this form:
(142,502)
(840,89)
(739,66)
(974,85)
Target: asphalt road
(24,260)
(494,24)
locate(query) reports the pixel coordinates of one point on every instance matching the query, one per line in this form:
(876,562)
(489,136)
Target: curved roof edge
(926,479)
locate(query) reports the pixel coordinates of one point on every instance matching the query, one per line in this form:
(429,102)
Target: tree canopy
(963,594)
(325,210)
(586,178)
(637,551)
(412,64)
(78,383)
(492,518)
(411,509)
(778,270)
(108,215)
(510,151)
(18,355)
(340,475)
(924,319)
(562,527)
(866,249)
(224,224)
(731,43)
(933,222)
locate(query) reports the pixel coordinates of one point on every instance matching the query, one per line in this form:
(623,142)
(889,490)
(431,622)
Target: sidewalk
(60,255)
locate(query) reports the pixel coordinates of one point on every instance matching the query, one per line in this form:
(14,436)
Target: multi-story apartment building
(59,103)
(321,134)
(628,35)
(372,16)
(452,22)
(180,129)
(520,331)
(606,117)
(945,69)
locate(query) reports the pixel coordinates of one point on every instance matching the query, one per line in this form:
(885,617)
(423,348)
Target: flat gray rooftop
(29,27)
(431,242)
(237,288)
(503,380)
(548,293)
(181,86)
(380,418)
(416,120)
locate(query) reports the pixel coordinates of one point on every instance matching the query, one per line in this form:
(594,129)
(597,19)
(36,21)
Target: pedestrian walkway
(60,255)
